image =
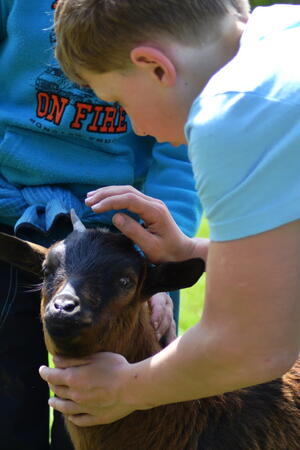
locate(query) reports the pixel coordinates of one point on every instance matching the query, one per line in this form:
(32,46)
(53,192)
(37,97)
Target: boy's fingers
(171,333)
(91,193)
(53,376)
(162,316)
(132,229)
(63,363)
(62,392)
(149,209)
(111,191)
(64,406)
(131,202)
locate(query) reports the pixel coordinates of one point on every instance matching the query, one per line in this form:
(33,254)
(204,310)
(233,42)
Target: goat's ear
(172,276)
(22,254)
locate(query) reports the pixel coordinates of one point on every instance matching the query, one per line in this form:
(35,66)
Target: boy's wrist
(193,248)
(200,248)
(132,389)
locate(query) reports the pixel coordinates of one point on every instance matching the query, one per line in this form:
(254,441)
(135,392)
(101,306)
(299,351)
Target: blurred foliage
(270,2)
(192,299)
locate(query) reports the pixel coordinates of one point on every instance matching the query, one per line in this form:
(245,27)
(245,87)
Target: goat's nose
(66,304)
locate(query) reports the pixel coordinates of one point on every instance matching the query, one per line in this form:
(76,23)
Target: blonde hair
(98,35)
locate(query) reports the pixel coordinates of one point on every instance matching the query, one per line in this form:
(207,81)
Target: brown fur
(264,417)
(142,429)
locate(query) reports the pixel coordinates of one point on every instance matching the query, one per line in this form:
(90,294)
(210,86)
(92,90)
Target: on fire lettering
(82,109)
(108,121)
(51,106)
(104,118)
(122,124)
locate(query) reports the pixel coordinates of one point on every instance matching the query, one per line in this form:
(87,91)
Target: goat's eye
(125,282)
(47,272)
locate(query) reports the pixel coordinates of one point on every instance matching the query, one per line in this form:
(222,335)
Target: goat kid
(94,298)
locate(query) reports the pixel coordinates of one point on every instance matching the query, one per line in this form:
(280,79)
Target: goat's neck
(142,429)
(144,342)
(132,335)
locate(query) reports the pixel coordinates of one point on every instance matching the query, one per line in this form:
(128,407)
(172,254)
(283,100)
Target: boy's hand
(162,316)
(89,390)
(160,238)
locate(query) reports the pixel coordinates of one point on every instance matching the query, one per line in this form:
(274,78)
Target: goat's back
(261,417)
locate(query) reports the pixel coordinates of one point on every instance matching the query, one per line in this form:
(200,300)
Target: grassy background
(191,299)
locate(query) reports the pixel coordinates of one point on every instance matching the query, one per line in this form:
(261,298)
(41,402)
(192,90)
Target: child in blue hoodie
(57,142)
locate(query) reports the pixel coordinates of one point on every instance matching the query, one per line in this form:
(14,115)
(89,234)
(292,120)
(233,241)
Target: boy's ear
(172,276)
(159,66)
(22,254)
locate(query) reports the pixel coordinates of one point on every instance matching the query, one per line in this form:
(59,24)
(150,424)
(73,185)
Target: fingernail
(155,325)
(118,220)
(95,206)
(42,370)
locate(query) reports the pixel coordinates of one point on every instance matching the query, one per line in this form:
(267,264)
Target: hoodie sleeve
(170,178)
(5,7)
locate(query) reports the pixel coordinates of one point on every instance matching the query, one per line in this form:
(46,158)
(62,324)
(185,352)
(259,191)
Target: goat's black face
(94,282)
(86,276)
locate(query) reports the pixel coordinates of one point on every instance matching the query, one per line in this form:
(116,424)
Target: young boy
(229,83)
(57,142)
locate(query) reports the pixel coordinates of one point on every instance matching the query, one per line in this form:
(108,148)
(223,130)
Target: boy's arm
(249,334)
(170,179)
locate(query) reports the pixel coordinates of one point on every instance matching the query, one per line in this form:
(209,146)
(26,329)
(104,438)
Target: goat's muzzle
(66,305)
(64,317)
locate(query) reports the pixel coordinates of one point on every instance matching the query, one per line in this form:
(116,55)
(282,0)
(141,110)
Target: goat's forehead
(94,247)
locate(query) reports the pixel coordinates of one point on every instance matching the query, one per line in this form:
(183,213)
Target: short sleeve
(245,152)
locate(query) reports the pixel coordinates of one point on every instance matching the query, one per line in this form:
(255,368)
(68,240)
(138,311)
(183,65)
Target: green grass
(191,299)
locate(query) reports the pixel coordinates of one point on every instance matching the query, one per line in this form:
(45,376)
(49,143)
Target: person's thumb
(134,231)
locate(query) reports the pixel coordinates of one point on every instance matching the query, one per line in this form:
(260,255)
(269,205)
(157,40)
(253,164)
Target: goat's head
(93,281)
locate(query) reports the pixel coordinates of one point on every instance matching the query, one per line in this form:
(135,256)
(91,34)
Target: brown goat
(94,298)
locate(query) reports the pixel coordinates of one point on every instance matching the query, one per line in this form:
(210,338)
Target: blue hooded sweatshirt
(58,141)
